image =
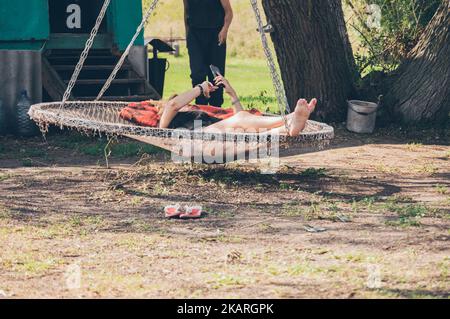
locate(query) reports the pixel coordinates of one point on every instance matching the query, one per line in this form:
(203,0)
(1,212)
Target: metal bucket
(361,116)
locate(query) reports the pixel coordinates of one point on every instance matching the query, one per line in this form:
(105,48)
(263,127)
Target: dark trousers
(204,50)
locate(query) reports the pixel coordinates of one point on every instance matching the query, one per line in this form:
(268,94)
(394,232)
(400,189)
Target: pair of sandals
(186,212)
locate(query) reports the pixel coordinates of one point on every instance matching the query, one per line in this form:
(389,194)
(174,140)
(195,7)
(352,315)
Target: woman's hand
(220,80)
(208,88)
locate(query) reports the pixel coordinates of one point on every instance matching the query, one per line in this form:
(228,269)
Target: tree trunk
(314,53)
(420,91)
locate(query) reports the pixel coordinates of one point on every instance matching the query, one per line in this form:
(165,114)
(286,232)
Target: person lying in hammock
(177,112)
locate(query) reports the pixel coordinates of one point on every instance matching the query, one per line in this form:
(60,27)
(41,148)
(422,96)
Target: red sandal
(192,212)
(172,211)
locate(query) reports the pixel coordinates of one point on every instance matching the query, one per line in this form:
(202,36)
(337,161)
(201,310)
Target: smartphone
(216,72)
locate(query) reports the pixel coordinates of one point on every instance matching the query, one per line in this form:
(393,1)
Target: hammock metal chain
(85,53)
(280,92)
(127,51)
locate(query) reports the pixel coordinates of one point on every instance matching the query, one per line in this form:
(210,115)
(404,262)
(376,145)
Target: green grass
(27,162)
(96,146)
(293,210)
(26,154)
(5,213)
(314,172)
(33,152)
(408,215)
(220,281)
(441,189)
(414,146)
(123,150)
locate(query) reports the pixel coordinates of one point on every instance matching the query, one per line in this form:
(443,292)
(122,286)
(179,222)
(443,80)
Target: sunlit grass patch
(441,189)
(29,263)
(428,169)
(304,269)
(224,280)
(400,198)
(227,239)
(37,266)
(4,177)
(102,282)
(85,224)
(294,210)
(55,231)
(444,268)
(320,210)
(366,202)
(414,146)
(136,201)
(386,169)
(266,228)
(408,215)
(160,190)
(5,213)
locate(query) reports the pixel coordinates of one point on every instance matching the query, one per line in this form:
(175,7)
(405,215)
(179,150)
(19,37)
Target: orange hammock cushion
(146,113)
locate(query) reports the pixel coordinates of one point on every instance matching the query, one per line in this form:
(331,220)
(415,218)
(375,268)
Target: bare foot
(301,114)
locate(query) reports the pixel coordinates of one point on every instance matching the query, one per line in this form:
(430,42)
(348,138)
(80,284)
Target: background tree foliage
(402,22)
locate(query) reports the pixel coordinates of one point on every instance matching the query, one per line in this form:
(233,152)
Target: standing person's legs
(197,59)
(218,56)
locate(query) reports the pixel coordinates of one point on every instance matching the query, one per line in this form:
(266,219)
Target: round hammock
(103,117)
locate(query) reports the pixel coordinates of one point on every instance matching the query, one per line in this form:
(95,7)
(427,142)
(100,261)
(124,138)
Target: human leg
(246,121)
(196,49)
(296,121)
(217,58)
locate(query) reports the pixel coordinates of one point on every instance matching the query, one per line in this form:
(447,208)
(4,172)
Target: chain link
(127,51)
(283,103)
(85,53)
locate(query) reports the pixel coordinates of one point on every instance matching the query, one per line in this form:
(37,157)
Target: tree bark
(420,90)
(314,53)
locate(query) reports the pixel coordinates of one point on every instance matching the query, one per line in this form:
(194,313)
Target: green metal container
(24,24)
(30,24)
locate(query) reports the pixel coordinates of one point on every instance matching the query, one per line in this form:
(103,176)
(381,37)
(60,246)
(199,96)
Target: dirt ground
(368,218)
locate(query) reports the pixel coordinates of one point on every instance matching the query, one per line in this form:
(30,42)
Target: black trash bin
(157,67)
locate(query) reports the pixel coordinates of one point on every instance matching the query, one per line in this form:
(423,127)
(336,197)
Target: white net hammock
(103,117)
